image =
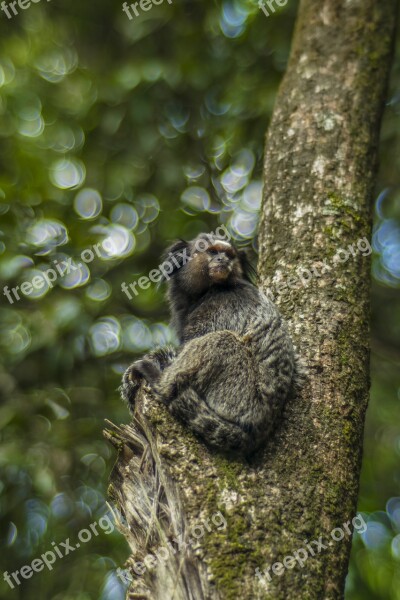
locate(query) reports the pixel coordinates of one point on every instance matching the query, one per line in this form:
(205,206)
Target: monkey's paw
(131,383)
(141,370)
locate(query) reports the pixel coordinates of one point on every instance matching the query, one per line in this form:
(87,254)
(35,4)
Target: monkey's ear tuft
(249,272)
(174,257)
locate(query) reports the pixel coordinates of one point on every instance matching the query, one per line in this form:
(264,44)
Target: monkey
(235,365)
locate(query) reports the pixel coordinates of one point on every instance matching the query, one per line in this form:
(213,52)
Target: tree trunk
(320,165)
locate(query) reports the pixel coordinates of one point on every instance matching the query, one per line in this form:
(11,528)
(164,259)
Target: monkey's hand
(148,370)
(131,383)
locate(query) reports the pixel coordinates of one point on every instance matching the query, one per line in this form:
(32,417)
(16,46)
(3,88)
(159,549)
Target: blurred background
(142,131)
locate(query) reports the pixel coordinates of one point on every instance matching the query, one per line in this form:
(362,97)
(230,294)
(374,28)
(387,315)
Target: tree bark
(320,165)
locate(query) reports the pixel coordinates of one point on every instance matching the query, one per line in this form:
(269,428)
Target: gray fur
(235,366)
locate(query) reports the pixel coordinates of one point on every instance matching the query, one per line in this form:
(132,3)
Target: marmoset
(235,365)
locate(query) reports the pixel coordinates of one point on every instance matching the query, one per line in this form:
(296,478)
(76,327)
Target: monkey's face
(205,262)
(220,257)
(215,262)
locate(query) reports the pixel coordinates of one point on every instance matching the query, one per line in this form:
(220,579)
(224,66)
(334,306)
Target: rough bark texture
(319,175)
